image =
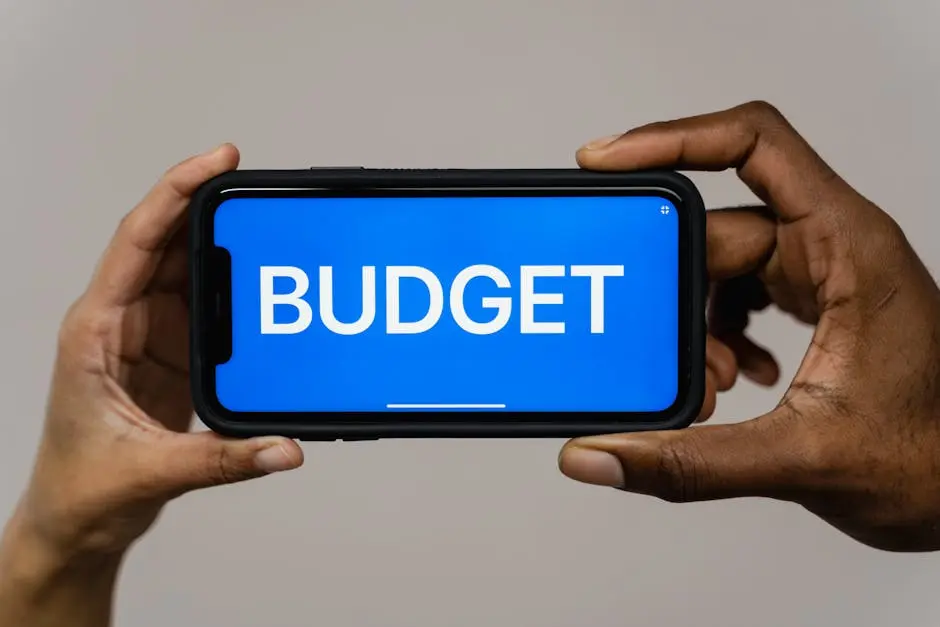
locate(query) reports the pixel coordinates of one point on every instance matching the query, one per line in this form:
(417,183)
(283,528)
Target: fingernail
(592,466)
(600,143)
(273,459)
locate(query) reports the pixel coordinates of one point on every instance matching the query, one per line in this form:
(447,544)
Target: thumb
(696,464)
(206,459)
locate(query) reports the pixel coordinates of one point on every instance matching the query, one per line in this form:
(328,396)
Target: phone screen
(449,302)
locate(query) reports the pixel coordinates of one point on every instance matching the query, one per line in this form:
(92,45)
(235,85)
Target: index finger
(769,155)
(137,247)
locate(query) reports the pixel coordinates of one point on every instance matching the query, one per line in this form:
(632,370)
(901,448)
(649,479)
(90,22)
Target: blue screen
(451,303)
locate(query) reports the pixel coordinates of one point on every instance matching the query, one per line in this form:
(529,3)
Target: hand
(115,447)
(856,437)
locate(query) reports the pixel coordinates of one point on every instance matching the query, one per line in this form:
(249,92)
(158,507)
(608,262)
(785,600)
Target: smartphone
(354,303)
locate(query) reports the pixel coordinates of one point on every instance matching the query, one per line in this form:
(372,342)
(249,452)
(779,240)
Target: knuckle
(760,122)
(765,121)
(858,253)
(72,322)
(128,222)
(658,126)
(177,179)
(762,113)
(174,169)
(225,468)
(129,226)
(134,223)
(203,170)
(884,233)
(879,247)
(678,474)
(79,325)
(219,470)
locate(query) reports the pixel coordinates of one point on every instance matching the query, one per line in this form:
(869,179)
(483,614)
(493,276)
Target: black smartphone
(353,303)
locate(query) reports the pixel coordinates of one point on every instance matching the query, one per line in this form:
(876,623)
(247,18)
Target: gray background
(99,97)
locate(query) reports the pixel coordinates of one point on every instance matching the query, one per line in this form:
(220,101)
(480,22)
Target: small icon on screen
(664,210)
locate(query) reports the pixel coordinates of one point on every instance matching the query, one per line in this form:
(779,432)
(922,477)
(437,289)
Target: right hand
(856,437)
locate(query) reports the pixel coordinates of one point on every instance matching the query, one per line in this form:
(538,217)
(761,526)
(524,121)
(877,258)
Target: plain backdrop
(98,98)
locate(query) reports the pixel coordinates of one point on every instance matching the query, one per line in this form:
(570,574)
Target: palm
(153,345)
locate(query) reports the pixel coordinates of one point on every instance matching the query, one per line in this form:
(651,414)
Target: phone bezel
(208,286)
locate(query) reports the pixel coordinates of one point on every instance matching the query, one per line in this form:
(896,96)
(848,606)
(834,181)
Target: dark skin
(856,438)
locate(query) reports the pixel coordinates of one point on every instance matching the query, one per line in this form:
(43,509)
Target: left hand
(116,445)
(854,438)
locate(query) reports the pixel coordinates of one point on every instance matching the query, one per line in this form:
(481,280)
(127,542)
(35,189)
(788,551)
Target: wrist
(44,586)
(32,564)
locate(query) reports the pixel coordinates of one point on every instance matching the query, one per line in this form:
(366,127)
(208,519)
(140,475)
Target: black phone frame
(210,321)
